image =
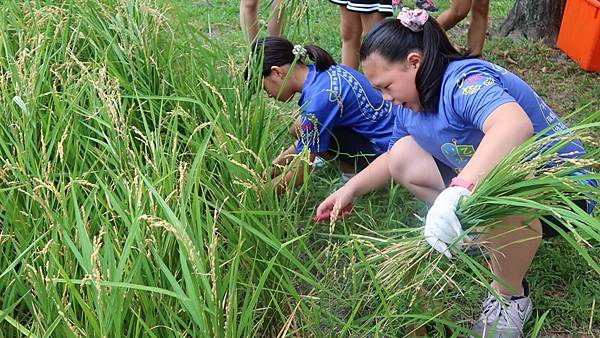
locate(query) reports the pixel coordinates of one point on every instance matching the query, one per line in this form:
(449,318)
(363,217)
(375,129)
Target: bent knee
(351,34)
(460,11)
(398,167)
(418,168)
(480,6)
(249,5)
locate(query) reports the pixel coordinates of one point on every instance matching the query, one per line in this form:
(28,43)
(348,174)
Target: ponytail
(278,51)
(438,52)
(394,41)
(320,57)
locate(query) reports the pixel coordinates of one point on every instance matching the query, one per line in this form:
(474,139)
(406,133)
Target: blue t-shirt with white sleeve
(343,97)
(471,90)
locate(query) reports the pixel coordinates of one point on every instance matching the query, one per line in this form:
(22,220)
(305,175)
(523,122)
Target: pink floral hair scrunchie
(413,19)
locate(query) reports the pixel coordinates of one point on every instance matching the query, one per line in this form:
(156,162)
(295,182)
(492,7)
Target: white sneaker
(319,162)
(343,180)
(504,317)
(346,177)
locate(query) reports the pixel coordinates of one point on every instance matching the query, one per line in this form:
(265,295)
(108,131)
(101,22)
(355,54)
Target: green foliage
(130,192)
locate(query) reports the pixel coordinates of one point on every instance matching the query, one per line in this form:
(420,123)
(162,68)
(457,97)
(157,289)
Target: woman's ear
(278,71)
(413,60)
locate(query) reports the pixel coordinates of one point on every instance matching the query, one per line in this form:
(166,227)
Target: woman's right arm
(373,177)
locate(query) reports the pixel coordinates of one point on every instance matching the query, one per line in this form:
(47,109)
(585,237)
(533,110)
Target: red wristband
(459,182)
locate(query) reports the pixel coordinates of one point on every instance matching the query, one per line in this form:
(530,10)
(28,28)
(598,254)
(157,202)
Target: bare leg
(457,12)
(249,18)
(415,170)
(351,31)
(512,248)
(370,20)
(274,25)
(479,24)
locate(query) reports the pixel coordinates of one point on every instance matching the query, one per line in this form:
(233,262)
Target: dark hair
(277,51)
(393,41)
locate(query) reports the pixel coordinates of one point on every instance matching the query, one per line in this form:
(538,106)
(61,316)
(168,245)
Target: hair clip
(299,52)
(413,19)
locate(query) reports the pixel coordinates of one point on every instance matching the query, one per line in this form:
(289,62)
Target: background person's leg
(456,13)
(249,18)
(369,20)
(351,28)
(274,25)
(345,166)
(352,150)
(479,24)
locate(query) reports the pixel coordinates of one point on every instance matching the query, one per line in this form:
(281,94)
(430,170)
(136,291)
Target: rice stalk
(129,202)
(522,183)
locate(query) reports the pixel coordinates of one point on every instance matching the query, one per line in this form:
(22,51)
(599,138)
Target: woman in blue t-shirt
(342,115)
(457,117)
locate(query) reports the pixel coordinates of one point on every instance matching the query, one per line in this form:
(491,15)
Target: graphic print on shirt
(368,109)
(550,116)
(340,97)
(501,70)
(557,124)
(457,154)
(472,82)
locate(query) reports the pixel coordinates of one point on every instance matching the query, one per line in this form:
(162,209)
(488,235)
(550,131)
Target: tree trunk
(534,19)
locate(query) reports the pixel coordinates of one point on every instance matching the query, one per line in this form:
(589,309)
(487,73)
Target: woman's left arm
(505,128)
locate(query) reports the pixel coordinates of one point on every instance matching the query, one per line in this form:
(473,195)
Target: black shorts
(367,6)
(548,231)
(352,148)
(447,173)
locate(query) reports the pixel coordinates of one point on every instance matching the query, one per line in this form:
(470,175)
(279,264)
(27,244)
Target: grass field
(130,197)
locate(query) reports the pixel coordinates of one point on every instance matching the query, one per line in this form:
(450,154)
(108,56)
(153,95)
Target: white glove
(442,227)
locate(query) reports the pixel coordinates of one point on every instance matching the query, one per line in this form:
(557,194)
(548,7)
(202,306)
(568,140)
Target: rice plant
(130,194)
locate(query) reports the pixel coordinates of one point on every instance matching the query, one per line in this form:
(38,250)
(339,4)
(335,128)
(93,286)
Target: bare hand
(338,204)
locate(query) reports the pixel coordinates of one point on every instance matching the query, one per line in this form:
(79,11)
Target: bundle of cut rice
(534,179)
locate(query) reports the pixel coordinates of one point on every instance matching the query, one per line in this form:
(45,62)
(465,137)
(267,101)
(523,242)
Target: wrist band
(459,182)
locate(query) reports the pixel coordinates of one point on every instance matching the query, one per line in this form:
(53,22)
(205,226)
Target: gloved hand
(442,227)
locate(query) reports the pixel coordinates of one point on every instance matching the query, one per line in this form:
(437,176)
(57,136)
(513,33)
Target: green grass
(129,194)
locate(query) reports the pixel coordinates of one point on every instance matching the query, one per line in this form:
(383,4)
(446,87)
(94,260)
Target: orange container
(579,35)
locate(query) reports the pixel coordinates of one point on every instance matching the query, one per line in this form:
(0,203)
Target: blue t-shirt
(471,90)
(343,97)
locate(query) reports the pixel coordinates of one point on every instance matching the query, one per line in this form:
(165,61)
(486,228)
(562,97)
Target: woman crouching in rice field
(342,115)
(457,117)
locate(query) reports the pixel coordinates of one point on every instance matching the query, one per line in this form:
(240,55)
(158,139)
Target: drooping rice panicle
(131,155)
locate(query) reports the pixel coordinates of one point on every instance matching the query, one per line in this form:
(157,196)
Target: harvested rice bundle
(534,179)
